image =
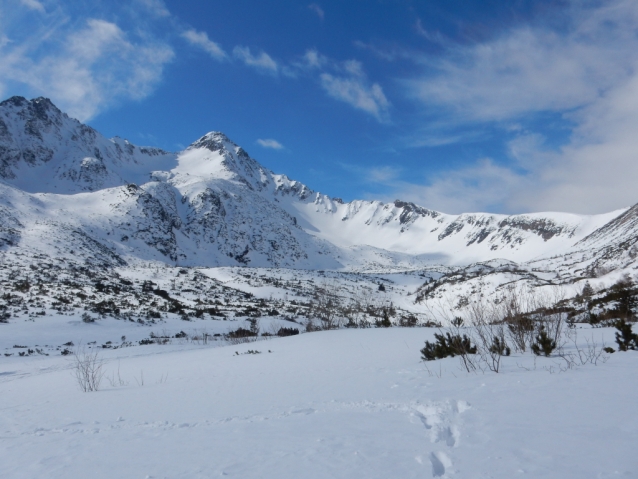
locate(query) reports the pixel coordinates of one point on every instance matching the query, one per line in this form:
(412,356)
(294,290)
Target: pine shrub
(287,331)
(448,345)
(625,337)
(543,344)
(500,347)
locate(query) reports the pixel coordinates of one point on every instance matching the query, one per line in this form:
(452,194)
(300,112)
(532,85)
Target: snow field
(338,404)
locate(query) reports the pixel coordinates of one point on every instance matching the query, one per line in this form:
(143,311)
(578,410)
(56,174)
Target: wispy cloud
(90,69)
(357,92)
(385,175)
(484,186)
(312,60)
(156,7)
(201,40)
(536,69)
(261,61)
(585,73)
(434,37)
(270,143)
(33,5)
(317,10)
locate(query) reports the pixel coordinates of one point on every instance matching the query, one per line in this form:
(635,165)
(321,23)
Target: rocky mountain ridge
(64,187)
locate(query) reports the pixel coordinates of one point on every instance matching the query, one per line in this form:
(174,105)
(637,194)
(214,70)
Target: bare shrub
(489,332)
(525,311)
(116,381)
(326,305)
(88,370)
(591,353)
(514,310)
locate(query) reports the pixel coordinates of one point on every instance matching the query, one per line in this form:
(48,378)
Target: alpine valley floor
(355,403)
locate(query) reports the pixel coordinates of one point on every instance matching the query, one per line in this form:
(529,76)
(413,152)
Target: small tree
(625,337)
(500,347)
(588,291)
(623,290)
(384,322)
(457,322)
(543,343)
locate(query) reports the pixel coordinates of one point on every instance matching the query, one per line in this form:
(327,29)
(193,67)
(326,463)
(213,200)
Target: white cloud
(317,10)
(201,40)
(270,143)
(157,7)
(312,59)
(434,37)
(355,91)
(345,81)
(382,174)
(262,62)
(587,73)
(33,5)
(537,69)
(484,186)
(89,70)
(595,172)
(354,67)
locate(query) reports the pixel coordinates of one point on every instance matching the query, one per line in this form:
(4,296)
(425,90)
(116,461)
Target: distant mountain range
(67,191)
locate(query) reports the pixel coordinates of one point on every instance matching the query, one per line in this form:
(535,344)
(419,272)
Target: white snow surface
(334,404)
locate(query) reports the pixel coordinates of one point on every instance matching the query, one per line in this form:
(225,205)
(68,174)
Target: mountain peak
(213,141)
(14,101)
(37,107)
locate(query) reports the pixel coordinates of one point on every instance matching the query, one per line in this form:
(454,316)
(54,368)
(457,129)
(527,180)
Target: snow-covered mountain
(67,189)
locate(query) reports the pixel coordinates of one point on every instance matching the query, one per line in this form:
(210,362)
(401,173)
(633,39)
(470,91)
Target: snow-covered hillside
(213,205)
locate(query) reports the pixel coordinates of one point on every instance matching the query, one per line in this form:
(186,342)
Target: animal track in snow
(440,463)
(441,420)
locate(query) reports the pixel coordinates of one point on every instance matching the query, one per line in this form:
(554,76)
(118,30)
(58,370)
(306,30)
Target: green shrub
(625,337)
(543,343)
(448,345)
(500,347)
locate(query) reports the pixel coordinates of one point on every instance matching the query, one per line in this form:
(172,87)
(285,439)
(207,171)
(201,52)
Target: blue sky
(456,105)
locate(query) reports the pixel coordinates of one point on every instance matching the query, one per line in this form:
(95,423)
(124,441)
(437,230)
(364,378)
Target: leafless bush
(513,309)
(88,369)
(116,381)
(591,353)
(489,334)
(326,305)
(525,311)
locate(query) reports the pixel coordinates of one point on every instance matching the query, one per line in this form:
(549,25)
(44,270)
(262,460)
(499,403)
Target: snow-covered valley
(342,404)
(249,326)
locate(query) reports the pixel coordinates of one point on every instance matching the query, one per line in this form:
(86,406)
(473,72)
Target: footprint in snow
(441,420)
(440,463)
